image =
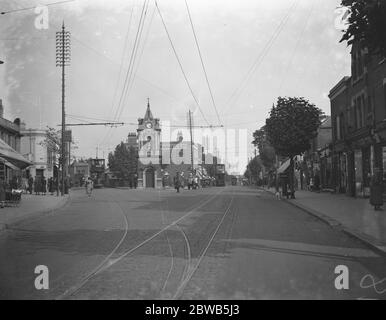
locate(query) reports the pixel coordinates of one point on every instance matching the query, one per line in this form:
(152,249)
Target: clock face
(148,125)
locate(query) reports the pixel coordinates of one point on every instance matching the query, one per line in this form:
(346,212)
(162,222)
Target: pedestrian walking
(30,184)
(376,189)
(51,186)
(317,182)
(89,186)
(36,186)
(44,185)
(177,182)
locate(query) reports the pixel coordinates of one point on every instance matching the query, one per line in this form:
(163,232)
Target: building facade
(358,110)
(11,161)
(79,170)
(34,148)
(159,161)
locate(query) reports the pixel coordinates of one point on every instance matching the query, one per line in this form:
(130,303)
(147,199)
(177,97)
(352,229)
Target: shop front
(11,164)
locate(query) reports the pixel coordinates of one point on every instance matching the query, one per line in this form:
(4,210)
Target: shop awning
(12,156)
(8,164)
(284,166)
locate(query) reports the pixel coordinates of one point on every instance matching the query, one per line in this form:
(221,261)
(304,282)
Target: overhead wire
(301,35)
(121,66)
(129,71)
(179,62)
(30,8)
(132,60)
(239,90)
(202,62)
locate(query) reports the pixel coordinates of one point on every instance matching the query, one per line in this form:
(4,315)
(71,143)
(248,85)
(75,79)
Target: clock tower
(149,150)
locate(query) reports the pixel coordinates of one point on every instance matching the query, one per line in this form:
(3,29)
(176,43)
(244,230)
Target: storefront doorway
(149,178)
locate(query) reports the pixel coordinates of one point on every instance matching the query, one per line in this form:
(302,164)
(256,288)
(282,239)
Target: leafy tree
(124,161)
(253,168)
(367,22)
(53,142)
(266,151)
(291,126)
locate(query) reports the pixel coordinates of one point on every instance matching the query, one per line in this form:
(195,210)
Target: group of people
(179,182)
(40,185)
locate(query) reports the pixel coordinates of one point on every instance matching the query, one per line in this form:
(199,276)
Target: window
(370,115)
(337,128)
(355,114)
(360,118)
(341,125)
(149,154)
(359,112)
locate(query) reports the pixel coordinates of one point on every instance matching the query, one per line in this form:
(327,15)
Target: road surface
(215,243)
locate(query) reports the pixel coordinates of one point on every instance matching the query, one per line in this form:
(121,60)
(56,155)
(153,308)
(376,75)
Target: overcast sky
(291,48)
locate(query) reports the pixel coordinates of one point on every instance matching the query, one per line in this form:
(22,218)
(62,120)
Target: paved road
(218,243)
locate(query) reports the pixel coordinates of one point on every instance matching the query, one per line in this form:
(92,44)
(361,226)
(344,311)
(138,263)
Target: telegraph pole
(191,138)
(63,49)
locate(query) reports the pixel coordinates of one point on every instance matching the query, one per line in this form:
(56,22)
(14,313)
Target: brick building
(358,110)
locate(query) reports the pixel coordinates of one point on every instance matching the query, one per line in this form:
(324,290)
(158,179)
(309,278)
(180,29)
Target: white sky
(305,59)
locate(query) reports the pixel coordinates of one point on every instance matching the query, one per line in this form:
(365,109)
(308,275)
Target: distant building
(79,170)
(358,110)
(11,161)
(318,160)
(132,140)
(10,131)
(159,161)
(34,147)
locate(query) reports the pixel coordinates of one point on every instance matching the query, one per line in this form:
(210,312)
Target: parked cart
(12,198)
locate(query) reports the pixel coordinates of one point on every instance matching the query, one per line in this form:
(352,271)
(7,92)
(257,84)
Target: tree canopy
(292,124)
(266,151)
(253,168)
(367,22)
(123,161)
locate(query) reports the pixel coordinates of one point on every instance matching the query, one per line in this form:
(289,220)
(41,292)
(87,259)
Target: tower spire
(148,114)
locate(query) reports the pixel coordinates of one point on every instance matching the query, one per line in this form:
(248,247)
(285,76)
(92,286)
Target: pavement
(214,243)
(30,206)
(354,216)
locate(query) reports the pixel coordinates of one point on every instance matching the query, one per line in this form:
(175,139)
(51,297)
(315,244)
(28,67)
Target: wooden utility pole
(63,48)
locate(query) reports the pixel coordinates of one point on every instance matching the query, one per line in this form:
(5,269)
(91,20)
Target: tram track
(109,261)
(191,269)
